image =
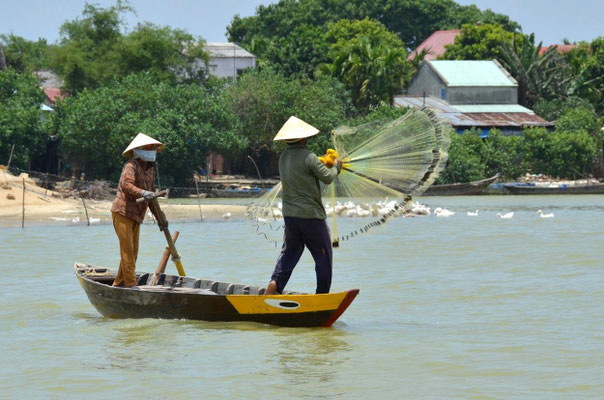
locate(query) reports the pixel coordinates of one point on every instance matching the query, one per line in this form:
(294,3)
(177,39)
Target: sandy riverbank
(47,207)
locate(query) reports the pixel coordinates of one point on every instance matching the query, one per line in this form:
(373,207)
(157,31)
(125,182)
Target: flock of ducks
(351,210)
(382,208)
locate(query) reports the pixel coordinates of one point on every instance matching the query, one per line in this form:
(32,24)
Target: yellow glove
(329,158)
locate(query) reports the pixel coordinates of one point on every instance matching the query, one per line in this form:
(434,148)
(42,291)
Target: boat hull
(562,189)
(178,298)
(460,189)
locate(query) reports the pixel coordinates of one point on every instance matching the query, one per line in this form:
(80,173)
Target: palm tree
(373,72)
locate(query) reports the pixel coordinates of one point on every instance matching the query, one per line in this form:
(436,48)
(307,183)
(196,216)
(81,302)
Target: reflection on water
(310,355)
(465,307)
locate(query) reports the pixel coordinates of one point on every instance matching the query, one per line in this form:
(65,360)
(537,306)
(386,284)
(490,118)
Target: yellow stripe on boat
(249,304)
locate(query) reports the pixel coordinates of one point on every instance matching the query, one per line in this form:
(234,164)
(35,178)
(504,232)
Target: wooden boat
(527,188)
(237,193)
(460,189)
(181,297)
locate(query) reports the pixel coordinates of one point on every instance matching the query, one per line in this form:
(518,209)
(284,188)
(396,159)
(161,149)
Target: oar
(161,268)
(162,221)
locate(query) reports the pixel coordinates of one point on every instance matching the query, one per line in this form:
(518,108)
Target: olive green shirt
(300,171)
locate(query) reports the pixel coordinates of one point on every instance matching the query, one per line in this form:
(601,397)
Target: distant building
(562,48)
(470,94)
(434,45)
(51,84)
(228,59)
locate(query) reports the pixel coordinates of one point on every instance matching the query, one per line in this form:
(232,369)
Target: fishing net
(385,164)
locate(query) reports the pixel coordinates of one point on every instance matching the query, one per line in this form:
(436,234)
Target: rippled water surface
(458,307)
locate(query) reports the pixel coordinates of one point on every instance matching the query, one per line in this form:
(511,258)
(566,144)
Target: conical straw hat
(295,128)
(139,141)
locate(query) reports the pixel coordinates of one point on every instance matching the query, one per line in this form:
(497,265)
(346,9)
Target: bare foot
(271,288)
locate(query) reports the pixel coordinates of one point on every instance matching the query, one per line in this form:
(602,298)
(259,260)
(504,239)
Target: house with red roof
(434,45)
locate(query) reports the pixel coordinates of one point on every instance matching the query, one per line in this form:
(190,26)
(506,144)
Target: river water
(458,307)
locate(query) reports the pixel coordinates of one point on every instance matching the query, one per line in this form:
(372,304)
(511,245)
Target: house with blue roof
(471,94)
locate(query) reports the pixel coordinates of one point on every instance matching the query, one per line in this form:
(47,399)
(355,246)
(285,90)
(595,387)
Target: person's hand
(338,163)
(148,195)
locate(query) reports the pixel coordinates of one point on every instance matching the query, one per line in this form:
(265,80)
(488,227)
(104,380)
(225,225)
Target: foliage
(369,60)
(96,126)
(578,119)
(411,20)
(464,164)
(264,100)
(586,63)
(24,55)
(570,154)
(170,55)
(552,109)
(20,117)
(479,42)
(93,50)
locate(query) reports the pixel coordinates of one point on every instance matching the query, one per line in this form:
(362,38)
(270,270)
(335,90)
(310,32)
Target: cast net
(385,164)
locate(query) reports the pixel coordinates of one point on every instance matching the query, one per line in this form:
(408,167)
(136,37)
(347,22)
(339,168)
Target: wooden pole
(23,213)
(10,157)
(161,220)
(163,262)
(198,200)
(86,210)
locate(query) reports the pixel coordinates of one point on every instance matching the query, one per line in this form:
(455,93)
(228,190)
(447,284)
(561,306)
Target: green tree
(263,100)
(96,126)
(586,62)
(552,109)
(369,60)
(464,163)
(94,50)
(20,117)
(571,154)
(412,20)
(24,55)
(479,42)
(168,54)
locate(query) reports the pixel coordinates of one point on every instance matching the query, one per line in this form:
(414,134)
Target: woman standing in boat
(136,181)
(300,171)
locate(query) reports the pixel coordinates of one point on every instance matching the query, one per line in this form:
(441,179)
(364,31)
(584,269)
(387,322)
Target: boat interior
(173,283)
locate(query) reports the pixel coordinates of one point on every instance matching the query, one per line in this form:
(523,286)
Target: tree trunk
(2,60)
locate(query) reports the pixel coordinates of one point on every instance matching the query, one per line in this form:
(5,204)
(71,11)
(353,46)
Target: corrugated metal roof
(472,73)
(477,119)
(492,108)
(227,50)
(434,45)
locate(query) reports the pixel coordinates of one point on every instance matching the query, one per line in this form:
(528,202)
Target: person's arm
(324,174)
(127,181)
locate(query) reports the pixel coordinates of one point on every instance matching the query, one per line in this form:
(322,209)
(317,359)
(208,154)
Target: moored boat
(181,297)
(528,188)
(460,189)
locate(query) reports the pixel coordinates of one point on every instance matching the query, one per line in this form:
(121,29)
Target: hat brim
(142,140)
(295,129)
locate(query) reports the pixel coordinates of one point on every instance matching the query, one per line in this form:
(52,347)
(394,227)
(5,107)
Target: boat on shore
(237,193)
(532,188)
(460,189)
(182,297)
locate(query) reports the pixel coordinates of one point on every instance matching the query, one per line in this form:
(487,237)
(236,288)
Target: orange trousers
(127,231)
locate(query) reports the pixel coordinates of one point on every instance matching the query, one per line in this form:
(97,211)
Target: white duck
(227,216)
(472,214)
(550,215)
(76,220)
(443,212)
(506,216)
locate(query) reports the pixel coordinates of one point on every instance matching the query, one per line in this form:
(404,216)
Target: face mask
(145,155)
